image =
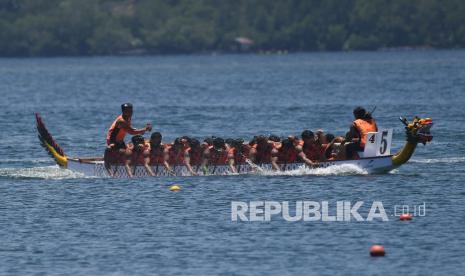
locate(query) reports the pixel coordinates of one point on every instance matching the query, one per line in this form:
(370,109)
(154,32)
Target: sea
(57,222)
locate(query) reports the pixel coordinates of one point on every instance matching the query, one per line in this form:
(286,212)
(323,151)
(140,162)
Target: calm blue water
(56,222)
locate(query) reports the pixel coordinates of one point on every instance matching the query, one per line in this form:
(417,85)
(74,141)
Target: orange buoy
(405,217)
(377,250)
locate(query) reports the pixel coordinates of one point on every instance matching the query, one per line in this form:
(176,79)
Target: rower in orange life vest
(159,153)
(240,152)
(359,129)
(193,156)
(308,150)
(139,154)
(287,153)
(218,154)
(263,150)
(116,134)
(179,154)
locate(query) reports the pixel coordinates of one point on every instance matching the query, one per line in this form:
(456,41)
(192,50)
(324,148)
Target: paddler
(287,153)
(179,154)
(139,154)
(219,154)
(359,129)
(263,150)
(159,152)
(195,153)
(116,134)
(308,150)
(240,152)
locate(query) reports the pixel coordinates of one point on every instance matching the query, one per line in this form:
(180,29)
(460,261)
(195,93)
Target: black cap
(194,143)
(177,141)
(261,139)
(230,141)
(359,112)
(239,141)
(308,134)
(287,143)
(126,106)
(137,139)
(218,143)
(155,135)
(329,137)
(208,141)
(274,138)
(253,141)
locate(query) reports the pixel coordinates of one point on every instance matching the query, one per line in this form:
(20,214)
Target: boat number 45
(378,143)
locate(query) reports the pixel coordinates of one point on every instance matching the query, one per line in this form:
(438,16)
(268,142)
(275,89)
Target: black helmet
(194,143)
(126,106)
(360,112)
(155,135)
(137,140)
(218,143)
(308,134)
(329,137)
(274,138)
(261,139)
(177,141)
(239,141)
(208,141)
(253,141)
(287,143)
(230,141)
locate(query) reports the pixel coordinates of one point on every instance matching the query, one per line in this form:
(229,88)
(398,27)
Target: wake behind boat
(376,157)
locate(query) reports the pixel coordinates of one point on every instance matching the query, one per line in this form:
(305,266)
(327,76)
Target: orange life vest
(116,134)
(287,155)
(195,156)
(157,155)
(176,157)
(363,127)
(138,156)
(219,157)
(241,155)
(312,152)
(324,148)
(264,153)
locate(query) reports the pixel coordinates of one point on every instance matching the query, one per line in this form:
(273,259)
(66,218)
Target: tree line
(108,27)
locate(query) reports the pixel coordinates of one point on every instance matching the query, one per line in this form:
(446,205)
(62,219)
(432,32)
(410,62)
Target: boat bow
(418,131)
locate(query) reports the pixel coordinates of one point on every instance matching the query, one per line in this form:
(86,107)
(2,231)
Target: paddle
(253,165)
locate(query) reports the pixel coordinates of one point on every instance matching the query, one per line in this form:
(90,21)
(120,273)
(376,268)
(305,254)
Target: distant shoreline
(259,53)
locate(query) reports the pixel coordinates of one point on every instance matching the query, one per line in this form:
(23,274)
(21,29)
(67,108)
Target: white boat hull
(97,169)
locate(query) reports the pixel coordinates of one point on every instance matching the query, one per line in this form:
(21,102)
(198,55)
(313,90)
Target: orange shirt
(363,127)
(116,134)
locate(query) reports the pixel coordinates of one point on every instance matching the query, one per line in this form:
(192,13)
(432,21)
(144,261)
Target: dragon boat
(376,157)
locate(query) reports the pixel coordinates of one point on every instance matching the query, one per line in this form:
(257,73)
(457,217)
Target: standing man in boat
(359,129)
(116,134)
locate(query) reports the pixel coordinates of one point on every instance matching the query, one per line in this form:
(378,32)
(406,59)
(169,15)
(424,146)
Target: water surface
(56,222)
